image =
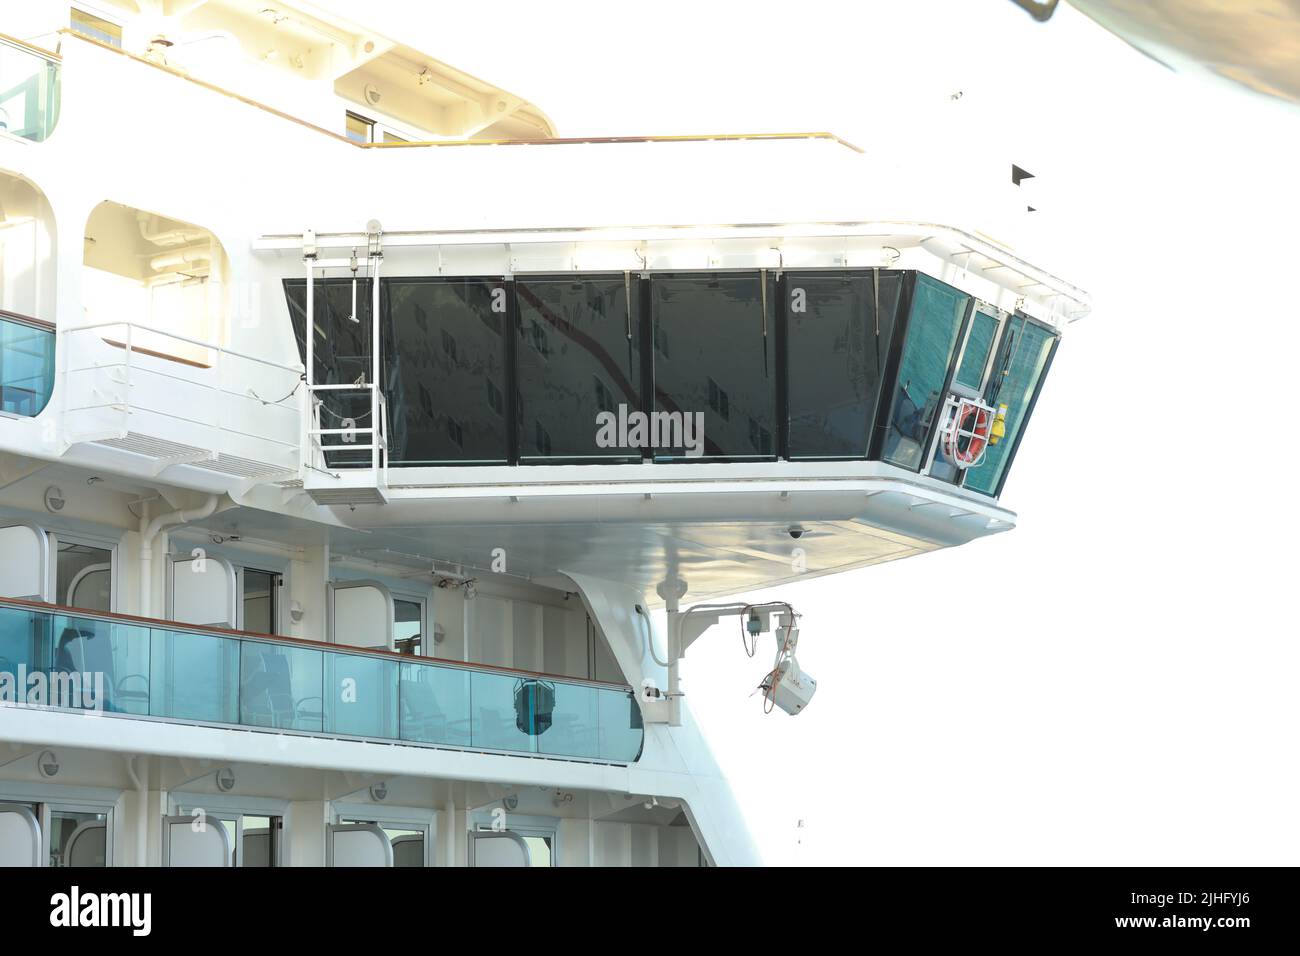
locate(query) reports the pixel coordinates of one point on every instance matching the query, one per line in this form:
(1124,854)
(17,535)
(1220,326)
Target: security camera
(795,532)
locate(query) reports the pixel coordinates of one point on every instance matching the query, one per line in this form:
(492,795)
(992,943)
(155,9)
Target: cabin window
(97,28)
(573,331)
(933,329)
(1017,376)
(359,129)
(717,370)
(77,837)
(261,591)
(84,576)
(408,627)
(410,842)
(838,332)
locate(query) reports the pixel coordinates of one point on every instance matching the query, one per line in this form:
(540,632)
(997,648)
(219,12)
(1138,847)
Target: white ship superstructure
(355,426)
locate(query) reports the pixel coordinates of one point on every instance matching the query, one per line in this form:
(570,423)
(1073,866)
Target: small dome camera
(795,532)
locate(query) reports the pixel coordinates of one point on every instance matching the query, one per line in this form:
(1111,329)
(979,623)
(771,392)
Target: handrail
(203,630)
(224,350)
(451,142)
(29,320)
(26,47)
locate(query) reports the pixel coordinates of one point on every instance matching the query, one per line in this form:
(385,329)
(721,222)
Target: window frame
(219,806)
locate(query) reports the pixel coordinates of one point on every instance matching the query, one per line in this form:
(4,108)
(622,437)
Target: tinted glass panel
(932,330)
(340,354)
(194,676)
(970,373)
(26,367)
(445,349)
(836,343)
(579,354)
(1016,378)
(281,686)
(435,704)
(259,601)
(361,696)
(714,341)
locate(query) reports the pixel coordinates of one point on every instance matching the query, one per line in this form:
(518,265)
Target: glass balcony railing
(129,667)
(29,91)
(26,365)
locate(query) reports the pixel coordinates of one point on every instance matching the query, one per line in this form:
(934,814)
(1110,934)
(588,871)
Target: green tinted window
(932,330)
(970,372)
(1017,376)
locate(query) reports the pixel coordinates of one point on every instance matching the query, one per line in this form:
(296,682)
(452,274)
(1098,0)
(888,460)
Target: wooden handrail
(297,641)
(30,48)
(28,320)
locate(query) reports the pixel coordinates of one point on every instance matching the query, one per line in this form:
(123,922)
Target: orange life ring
(980,421)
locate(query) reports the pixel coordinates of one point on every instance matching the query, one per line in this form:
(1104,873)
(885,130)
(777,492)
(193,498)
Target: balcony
(26,365)
(137,668)
(29,91)
(179,400)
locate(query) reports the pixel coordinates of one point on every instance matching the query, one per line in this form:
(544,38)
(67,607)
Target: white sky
(1114,681)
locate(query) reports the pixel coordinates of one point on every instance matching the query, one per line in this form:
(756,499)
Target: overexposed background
(1114,682)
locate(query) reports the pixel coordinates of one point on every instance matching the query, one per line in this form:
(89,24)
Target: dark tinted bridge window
(838,328)
(445,350)
(933,328)
(341,354)
(1018,373)
(579,354)
(714,342)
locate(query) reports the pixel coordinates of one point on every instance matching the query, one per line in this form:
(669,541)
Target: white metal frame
(315,438)
(223,807)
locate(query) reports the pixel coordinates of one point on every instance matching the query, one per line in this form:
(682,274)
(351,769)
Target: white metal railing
(200,393)
(29,90)
(317,448)
(316,444)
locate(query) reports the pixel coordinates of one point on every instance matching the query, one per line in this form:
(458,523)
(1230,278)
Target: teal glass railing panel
(26,367)
(133,668)
(621,730)
(194,676)
(494,723)
(361,696)
(281,686)
(574,726)
(435,704)
(104,663)
(29,92)
(24,650)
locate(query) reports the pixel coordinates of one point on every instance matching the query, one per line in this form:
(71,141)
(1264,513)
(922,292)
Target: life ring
(972,423)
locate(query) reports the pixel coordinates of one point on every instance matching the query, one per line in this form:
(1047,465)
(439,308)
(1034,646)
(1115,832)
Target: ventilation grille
(162,450)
